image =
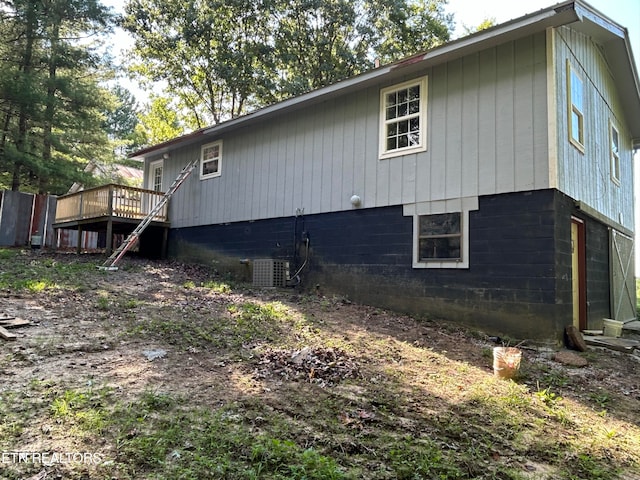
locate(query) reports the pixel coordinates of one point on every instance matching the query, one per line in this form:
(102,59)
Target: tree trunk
(50,105)
(23,120)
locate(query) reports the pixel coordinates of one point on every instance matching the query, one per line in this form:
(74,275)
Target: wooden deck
(109,208)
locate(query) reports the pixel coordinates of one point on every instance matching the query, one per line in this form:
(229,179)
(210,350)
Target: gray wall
(586,176)
(487,134)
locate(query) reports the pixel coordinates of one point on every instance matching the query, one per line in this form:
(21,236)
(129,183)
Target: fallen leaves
(322,366)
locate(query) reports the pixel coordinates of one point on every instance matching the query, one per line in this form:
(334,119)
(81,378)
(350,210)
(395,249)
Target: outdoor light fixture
(356,201)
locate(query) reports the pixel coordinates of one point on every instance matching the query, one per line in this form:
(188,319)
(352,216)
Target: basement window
(575,107)
(210,160)
(440,237)
(614,142)
(403,118)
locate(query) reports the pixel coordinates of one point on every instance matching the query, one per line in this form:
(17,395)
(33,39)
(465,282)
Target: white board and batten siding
(486,134)
(586,177)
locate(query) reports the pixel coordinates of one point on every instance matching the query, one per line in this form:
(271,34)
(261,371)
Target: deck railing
(109,201)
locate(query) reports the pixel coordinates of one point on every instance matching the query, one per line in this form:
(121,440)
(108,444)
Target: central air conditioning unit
(268,272)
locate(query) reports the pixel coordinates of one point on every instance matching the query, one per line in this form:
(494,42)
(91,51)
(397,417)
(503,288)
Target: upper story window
(576,94)
(211,160)
(403,114)
(614,142)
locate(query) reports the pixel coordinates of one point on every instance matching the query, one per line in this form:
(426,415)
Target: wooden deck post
(165,242)
(79,246)
(109,245)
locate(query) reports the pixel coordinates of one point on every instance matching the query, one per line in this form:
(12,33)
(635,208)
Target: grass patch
(217,287)
(82,411)
(229,328)
(158,438)
(22,271)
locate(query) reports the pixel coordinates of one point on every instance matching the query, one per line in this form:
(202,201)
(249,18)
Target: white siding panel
(248,171)
(317,156)
(524,175)
(487,123)
(341,159)
(346,174)
(298,155)
(280,192)
(438,128)
(306,132)
(359,142)
(409,179)
(395,182)
(505,128)
(273,158)
(370,148)
(470,125)
(454,119)
(326,180)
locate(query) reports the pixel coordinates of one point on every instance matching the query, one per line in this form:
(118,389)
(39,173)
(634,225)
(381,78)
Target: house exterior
(487,181)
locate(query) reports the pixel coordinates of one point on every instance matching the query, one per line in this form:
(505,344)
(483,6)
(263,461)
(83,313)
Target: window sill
(402,151)
(211,175)
(577,145)
(452,264)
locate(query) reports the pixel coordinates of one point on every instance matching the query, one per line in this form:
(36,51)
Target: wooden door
(623,281)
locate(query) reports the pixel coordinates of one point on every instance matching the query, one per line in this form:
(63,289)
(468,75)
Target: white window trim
(422,142)
(219,172)
(152,167)
(457,205)
(613,157)
(579,143)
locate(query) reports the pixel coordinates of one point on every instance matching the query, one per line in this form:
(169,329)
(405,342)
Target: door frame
(153,166)
(579,272)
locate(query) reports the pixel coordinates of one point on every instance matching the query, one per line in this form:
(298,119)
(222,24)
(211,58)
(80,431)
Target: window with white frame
(440,237)
(575,107)
(211,160)
(403,113)
(155,176)
(614,142)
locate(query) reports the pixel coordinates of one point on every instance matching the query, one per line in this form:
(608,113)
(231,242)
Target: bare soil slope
(161,370)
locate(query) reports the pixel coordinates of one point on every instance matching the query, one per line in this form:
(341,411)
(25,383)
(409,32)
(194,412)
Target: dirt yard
(162,370)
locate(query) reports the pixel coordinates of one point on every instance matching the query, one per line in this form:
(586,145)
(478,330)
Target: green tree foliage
(318,42)
(485,24)
(120,122)
(403,28)
(50,99)
(159,123)
(223,58)
(213,56)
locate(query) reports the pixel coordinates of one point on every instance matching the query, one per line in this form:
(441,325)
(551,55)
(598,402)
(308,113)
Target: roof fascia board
(503,33)
(586,13)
